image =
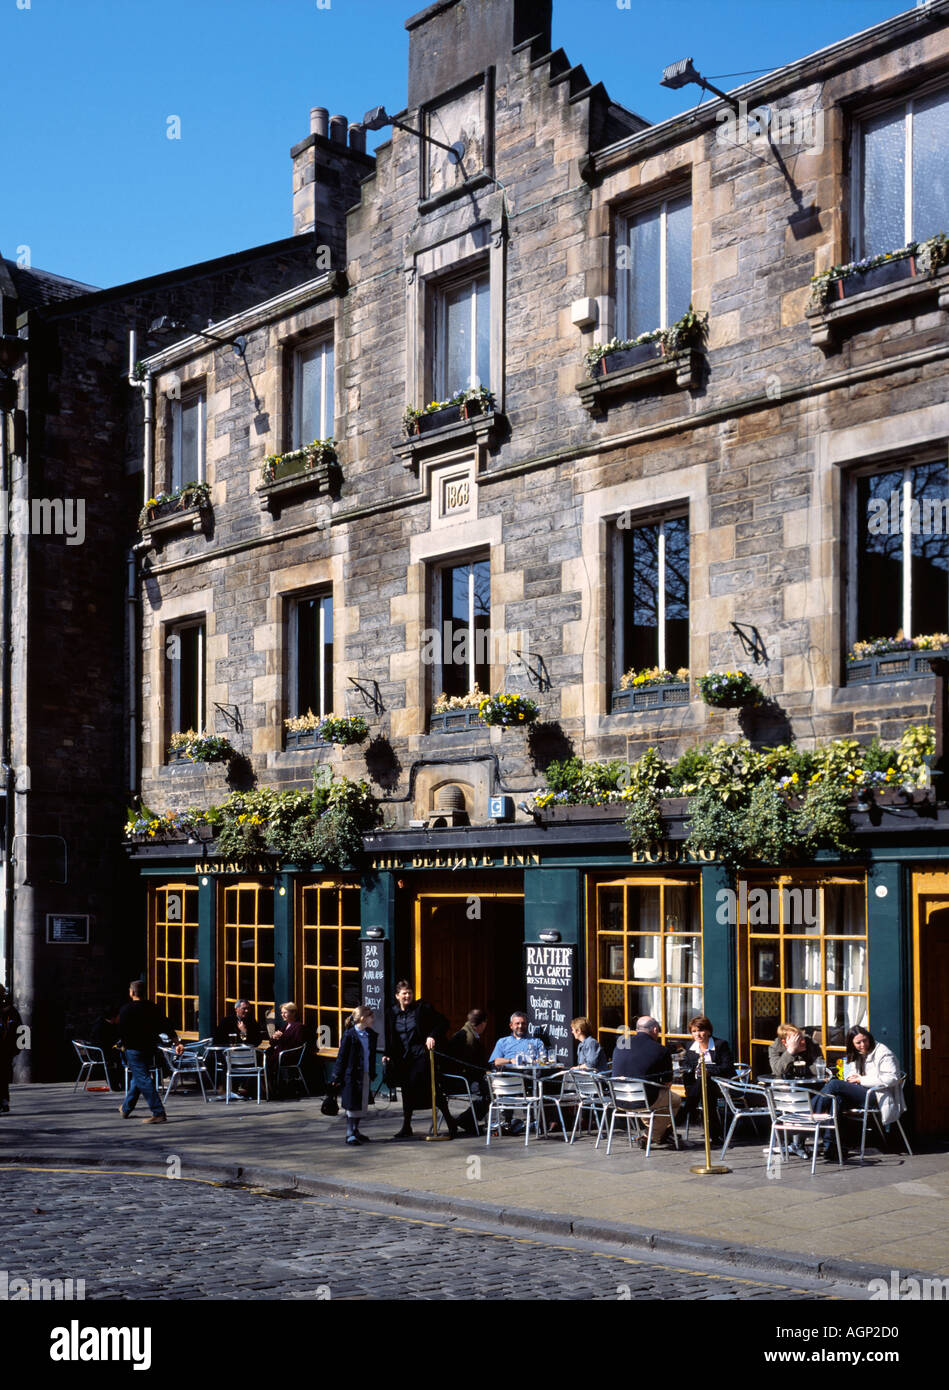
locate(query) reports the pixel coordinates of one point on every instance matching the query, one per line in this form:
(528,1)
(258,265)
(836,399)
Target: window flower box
(466,405)
(645,697)
(303,738)
(313,468)
(184,509)
(847,295)
(894,665)
(622,358)
(453,720)
(903,268)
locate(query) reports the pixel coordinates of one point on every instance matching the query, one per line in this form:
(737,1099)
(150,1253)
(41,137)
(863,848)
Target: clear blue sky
(96,190)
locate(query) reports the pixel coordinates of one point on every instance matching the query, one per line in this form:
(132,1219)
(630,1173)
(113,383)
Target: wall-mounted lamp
(378,117)
(684,72)
(375,933)
(550,938)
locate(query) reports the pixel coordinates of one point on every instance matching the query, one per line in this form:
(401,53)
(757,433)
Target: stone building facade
(699,505)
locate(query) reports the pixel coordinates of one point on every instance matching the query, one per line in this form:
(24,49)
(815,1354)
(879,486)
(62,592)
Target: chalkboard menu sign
(374,978)
(549,974)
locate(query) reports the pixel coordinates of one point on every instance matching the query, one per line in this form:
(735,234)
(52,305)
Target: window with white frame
(903,183)
(187,439)
(462,621)
(184,650)
(311,655)
(900,548)
(461,354)
(654,266)
(651,596)
(311,393)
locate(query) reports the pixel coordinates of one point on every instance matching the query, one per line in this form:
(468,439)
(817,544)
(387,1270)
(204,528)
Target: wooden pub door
(469,948)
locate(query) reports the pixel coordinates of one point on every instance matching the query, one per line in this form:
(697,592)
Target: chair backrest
(742,1071)
(790,1100)
(587,1083)
(82,1050)
(241,1059)
(627,1095)
(738,1094)
(292,1057)
(504,1084)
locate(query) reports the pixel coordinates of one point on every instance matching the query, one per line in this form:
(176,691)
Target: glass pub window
(312,394)
(311,655)
(328,958)
(645,954)
(651,589)
(173,955)
(462,356)
(654,267)
(187,440)
(803,959)
(901,545)
(464,617)
(246,948)
(185,655)
(904,185)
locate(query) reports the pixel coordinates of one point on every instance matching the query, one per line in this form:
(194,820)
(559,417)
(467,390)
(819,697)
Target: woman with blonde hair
(355,1065)
(793,1053)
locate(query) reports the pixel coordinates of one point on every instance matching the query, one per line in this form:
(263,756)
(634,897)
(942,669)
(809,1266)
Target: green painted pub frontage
(558,918)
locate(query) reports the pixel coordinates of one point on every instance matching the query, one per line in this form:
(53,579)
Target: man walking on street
(140,1023)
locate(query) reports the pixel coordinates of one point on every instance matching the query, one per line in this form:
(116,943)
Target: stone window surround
(174,612)
(657,495)
(623,213)
(322,574)
(435,571)
(448,250)
(292,602)
(618,583)
(306,329)
(197,391)
(838,452)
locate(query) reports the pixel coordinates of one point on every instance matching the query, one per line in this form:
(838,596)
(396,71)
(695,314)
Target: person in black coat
(642,1057)
(354,1069)
(717,1060)
(10,1025)
(413,1029)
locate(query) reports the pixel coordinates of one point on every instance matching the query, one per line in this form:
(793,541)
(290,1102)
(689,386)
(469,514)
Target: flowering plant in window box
(148,825)
(464,405)
(508,711)
(729,689)
(200,748)
(183,498)
(877,646)
(892,658)
(473,700)
(340,729)
(916,258)
(687,332)
(653,675)
(318,454)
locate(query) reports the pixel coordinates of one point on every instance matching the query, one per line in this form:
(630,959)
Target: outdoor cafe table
(539,1072)
(217,1052)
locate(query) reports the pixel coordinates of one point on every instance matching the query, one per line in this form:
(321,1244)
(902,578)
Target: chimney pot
(338,128)
(319,120)
(357,138)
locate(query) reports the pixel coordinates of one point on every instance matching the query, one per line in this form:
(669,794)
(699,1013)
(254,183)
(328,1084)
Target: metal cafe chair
(792,1113)
(592,1099)
(90,1057)
(630,1104)
(189,1064)
(742,1072)
(742,1102)
(290,1068)
(460,1090)
(510,1093)
(871,1109)
(155,1070)
(243,1066)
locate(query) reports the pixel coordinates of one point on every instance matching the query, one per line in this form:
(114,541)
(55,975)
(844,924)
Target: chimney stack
(327,173)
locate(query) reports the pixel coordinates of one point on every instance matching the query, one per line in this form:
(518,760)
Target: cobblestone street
(130,1236)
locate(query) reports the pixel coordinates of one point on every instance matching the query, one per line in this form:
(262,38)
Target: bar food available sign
(549,972)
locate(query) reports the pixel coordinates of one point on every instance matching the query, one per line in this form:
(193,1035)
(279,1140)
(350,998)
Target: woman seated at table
(868,1063)
(716,1056)
(289,1035)
(793,1053)
(590,1055)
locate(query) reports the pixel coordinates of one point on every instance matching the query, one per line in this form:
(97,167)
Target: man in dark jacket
(239,1026)
(413,1029)
(642,1057)
(140,1024)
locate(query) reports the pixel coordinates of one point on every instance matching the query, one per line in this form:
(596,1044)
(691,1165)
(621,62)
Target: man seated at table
(518,1043)
(236,1028)
(640,1056)
(793,1053)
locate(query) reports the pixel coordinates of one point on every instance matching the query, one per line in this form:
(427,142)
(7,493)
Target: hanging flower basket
(321,454)
(729,689)
(200,748)
(508,711)
(343,730)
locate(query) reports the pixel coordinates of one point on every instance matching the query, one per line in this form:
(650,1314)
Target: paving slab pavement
(891,1213)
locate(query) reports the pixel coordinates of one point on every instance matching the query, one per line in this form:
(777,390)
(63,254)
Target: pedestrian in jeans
(140,1023)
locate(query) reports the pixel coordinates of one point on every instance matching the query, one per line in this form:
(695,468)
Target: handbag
(330,1104)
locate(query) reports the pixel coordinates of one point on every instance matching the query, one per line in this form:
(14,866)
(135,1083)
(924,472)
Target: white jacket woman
(870,1063)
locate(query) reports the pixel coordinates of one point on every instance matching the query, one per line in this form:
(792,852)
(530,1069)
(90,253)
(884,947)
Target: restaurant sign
(455,861)
(672,852)
(548,976)
(236,866)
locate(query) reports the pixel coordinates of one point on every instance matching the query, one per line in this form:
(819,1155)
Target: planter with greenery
(465,405)
(729,689)
(652,688)
(307,730)
(893,658)
(189,498)
(316,457)
(508,711)
(192,747)
(843,281)
(687,333)
(452,712)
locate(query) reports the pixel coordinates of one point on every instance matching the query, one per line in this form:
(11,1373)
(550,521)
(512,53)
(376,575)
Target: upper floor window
(651,596)
(187,439)
(654,267)
(184,648)
(312,394)
(311,655)
(901,552)
(462,337)
(904,175)
(462,621)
